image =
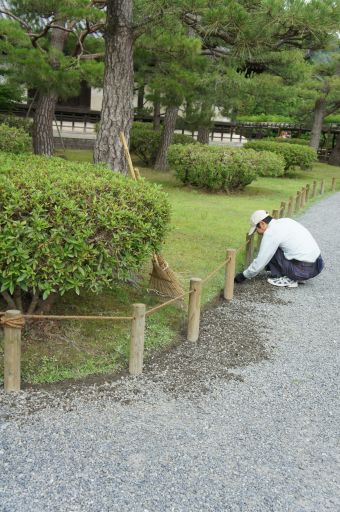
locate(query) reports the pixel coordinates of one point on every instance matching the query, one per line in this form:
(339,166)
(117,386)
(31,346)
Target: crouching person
(287,250)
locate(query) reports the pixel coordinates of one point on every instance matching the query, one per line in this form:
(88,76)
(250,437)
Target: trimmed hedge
(14,140)
(264,118)
(67,226)
(17,122)
(220,168)
(145,141)
(294,154)
(302,142)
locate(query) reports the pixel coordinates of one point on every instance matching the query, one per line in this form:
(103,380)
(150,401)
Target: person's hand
(239,278)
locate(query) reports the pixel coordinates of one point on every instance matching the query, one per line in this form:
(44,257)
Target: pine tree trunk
(140,102)
(43,143)
(117,109)
(157,115)
(319,114)
(203,135)
(166,138)
(334,158)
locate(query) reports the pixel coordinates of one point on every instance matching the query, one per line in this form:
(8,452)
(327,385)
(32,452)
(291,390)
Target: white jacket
(294,239)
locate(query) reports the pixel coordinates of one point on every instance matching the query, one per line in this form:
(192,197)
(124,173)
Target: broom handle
(127,154)
(135,174)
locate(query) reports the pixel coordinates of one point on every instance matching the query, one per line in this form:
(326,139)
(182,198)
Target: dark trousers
(297,270)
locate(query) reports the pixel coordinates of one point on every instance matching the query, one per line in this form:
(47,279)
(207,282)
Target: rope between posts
(216,270)
(17,322)
(8,321)
(160,306)
(243,246)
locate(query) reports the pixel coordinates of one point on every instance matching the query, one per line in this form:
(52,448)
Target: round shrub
(145,141)
(220,168)
(67,226)
(294,154)
(268,163)
(14,140)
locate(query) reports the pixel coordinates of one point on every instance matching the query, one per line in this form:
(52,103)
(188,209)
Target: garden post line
(12,352)
(314,188)
(297,202)
(282,209)
(249,249)
(137,339)
(194,309)
(229,275)
(322,187)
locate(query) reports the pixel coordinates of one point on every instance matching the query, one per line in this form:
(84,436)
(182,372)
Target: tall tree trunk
(157,115)
(140,99)
(167,135)
(43,143)
(319,114)
(203,135)
(334,158)
(117,109)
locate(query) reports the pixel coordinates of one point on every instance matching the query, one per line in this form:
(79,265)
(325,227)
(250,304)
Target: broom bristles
(163,280)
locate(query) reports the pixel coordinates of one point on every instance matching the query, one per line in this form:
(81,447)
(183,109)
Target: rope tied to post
(16,322)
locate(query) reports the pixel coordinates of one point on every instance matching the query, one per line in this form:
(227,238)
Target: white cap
(255,218)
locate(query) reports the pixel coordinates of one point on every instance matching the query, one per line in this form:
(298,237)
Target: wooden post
(259,240)
(333,184)
(307,193)
(290,207)
(12,355)
(249,250)
(275,214)
(229,274)
(137,340)
(322,187)
(314,188)
(194,310)
(302,197)
(282,209)
(297,202)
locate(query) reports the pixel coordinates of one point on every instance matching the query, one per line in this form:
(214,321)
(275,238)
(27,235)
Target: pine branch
(333,108)
(16,18)
(92,56)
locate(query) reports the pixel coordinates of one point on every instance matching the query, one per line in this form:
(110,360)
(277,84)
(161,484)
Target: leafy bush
(268,164)
(220,168)
(145,141)
(294,154)
(14,140)
(17,122)
(293,140)
(66,226)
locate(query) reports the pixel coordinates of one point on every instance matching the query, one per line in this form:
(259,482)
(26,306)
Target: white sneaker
(283,281)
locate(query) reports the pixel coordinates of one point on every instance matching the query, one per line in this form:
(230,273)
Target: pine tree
(46,46)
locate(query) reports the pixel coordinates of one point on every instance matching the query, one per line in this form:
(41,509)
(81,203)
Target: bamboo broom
(162,279)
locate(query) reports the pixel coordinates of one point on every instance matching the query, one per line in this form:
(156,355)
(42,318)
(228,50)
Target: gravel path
(247,420)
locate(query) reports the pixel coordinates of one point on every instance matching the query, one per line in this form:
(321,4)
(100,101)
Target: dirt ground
(231,336)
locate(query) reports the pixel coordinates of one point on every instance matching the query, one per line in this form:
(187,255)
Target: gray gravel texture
(246,420)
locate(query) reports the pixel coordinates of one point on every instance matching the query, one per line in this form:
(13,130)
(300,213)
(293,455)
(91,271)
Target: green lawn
(203,226)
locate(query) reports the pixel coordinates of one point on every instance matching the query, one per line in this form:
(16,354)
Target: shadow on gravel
(232,335)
